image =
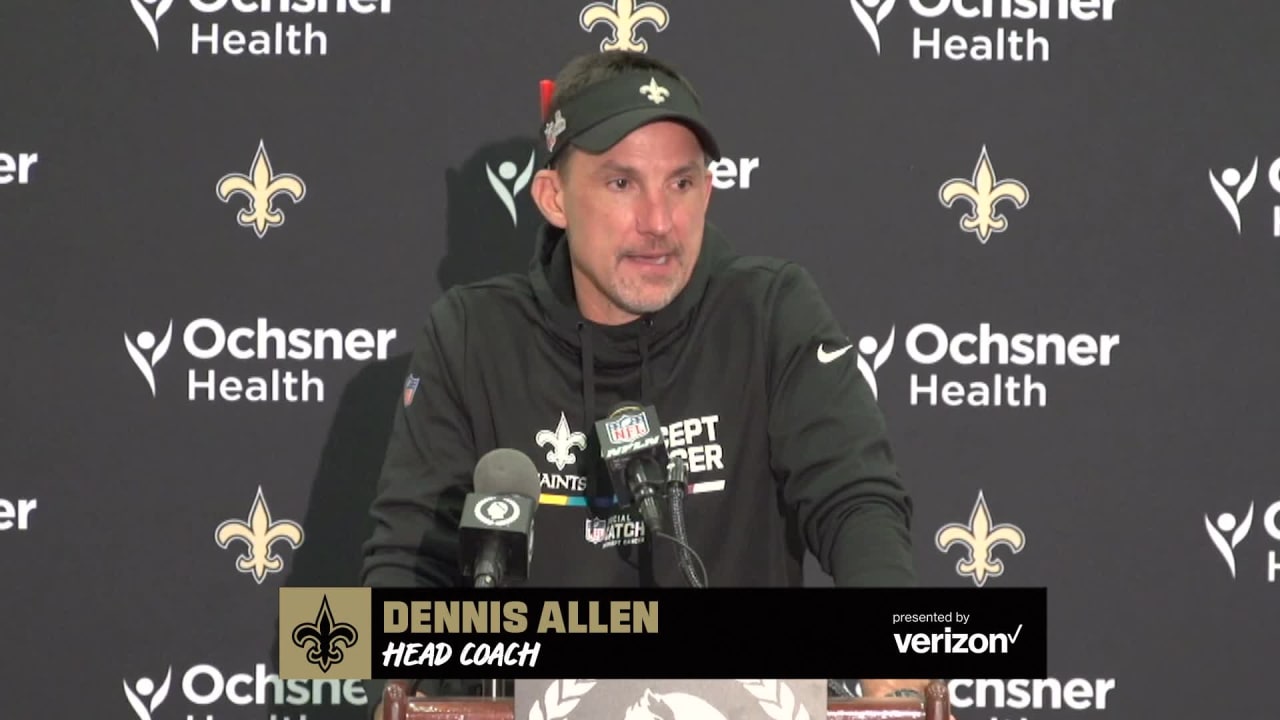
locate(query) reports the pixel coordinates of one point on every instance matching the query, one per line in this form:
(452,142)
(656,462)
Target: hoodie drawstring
(644,361)
(588,377)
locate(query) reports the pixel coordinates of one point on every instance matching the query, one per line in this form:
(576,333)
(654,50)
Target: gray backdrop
(1131,137)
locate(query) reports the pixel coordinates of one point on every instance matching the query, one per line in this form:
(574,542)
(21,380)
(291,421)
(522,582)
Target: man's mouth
(649,259)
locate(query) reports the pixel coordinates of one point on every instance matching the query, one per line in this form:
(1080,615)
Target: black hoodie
(786,446)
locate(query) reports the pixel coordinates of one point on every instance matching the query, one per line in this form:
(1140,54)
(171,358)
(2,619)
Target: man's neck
(595,306)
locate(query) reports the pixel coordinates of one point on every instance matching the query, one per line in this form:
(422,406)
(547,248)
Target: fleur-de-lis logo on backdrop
(259,534)
(261,186)
(862,9)
(981,538)
(561,443)
(983,193)
(151,21)
(655,92)
(624,17)
(324,639)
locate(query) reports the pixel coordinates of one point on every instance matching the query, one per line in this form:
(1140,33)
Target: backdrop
(1053,225)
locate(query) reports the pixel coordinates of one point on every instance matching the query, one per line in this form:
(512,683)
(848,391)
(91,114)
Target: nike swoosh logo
(825,356)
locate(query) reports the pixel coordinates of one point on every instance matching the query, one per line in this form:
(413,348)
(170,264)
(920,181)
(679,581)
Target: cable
(676,486)
(686,551)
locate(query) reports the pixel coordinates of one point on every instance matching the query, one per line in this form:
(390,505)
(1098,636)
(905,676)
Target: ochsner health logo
(1227,525)
(276,35)
(144,697)
(210,689)
(284,379)
(1020,695)
(1232,188)
(146,352)
(509,181)
(1232,185)
(1003,355)
(1002,29)
(150,12)
(872,354)
(1227,532)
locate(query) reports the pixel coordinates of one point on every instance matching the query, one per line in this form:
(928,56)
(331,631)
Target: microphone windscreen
(507,472)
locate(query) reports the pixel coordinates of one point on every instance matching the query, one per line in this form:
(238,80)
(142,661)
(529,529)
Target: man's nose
(655,215)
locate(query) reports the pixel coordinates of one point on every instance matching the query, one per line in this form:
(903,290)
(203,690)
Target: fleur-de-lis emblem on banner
(624,17)
(259,534)
(984,193)
(981,538)
(324,639)
(261,186)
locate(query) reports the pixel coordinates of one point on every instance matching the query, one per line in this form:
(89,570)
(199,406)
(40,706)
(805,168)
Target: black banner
(709,633)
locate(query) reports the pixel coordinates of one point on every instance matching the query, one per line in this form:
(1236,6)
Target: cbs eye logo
(497,511)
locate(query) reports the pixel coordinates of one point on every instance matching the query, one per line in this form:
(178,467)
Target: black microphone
(632,448)
(496,531)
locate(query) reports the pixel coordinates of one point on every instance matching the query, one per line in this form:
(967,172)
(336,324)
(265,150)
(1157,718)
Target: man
(631,296)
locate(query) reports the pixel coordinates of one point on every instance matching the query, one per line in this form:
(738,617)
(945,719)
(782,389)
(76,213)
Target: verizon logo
(956,643)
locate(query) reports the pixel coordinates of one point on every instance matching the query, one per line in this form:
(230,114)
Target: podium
(397,704)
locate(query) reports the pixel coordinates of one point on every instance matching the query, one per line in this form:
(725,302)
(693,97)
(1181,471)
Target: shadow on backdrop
(490,225)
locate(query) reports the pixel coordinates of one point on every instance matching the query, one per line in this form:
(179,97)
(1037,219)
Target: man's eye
(618,184)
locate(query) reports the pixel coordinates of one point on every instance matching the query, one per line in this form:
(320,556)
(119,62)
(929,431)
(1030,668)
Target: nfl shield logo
(410,387)
(596,530)
(628,427)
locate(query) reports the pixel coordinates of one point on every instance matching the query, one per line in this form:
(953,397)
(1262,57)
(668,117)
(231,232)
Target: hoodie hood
(615,347)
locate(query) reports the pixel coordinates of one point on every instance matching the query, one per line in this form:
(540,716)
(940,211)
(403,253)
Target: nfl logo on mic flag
(628,427)
(326,633)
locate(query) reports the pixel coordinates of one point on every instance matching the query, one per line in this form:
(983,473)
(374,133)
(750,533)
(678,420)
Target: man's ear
(547,192)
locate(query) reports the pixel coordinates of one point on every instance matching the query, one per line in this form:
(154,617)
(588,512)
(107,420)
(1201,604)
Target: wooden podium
(397,704)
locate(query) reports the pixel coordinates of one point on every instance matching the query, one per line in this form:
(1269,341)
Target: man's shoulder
(757,264)
(761,275)
(509,292)
(778,292)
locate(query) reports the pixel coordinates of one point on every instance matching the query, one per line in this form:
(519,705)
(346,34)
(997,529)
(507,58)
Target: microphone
(496,531)
(632,448)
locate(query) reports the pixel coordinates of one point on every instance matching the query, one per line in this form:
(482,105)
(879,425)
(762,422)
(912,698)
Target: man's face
(634,217)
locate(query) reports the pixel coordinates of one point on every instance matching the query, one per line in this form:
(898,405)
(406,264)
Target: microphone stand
(489,576)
